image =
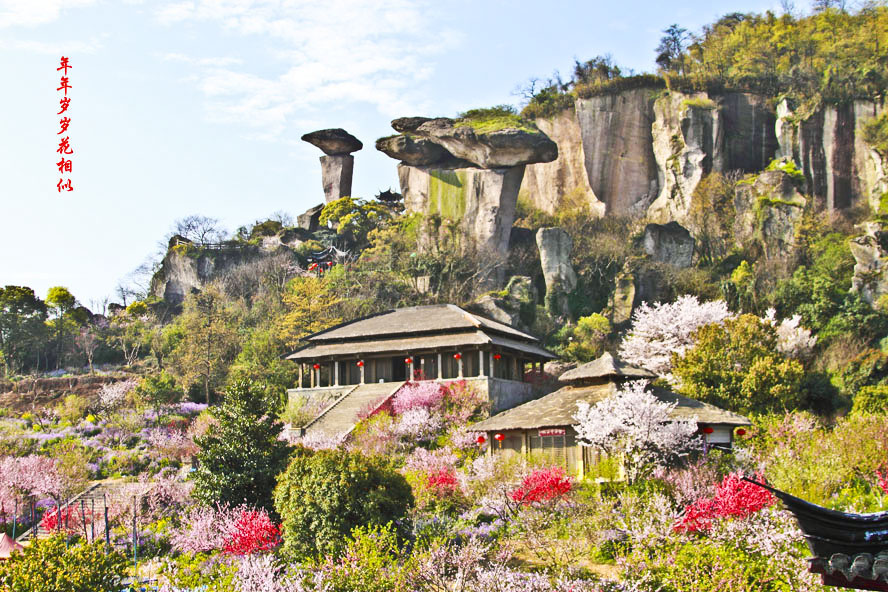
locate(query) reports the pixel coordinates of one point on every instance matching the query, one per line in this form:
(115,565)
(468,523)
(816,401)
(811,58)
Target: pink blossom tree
(663,329)
(636,427)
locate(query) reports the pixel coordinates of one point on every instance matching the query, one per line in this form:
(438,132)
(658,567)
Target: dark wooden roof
(418,329)
(558,408)
(413,320)
(604,367)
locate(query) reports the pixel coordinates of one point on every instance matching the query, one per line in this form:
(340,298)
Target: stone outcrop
(555,246)
(871,262)
(187,268)
(515,305)
(562,183)
(310,219)
(336,176)
(623,298)
(768,211)
(338,165)
(333,142)
(669,243)
(618,149)
(481,202)
(412,150)
(502,148)
(840,169)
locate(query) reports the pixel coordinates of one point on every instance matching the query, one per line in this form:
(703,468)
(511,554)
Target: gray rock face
(840,168)
(871,262)
(503,148)
(481,202)
(555,246)
(623,298)
(768,212)
(411,150)
(669,243)
(334,141)
(618,149)
(563,182)
(182,271)
(336,176)
(406,125)
(310,219)
(515,308)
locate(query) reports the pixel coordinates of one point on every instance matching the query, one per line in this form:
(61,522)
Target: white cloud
(330,51)
(54,48)
(213,62)
(35,12)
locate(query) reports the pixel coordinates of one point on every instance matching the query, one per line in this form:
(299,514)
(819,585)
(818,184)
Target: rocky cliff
(645,150)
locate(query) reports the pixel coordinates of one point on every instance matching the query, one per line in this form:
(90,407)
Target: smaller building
(545,426)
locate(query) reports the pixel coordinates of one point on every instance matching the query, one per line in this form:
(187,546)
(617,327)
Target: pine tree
(240,458)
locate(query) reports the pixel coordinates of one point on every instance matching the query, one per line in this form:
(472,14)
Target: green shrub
(871,399)
(73,408)
(157,390)
(491,119)
(374,561)
(789,167)
(324,495)
(49,565)
(875,133)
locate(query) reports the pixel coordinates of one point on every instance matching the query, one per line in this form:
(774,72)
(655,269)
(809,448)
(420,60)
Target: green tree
(260,360)
(324,495)
(241,457)
(22,316)
(129,331)
(355,218)
(311,305)
(208,340)
(158,390)
(50,565)
(61,303)
(736,365)
(585,341)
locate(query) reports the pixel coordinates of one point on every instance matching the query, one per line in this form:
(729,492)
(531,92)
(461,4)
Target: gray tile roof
(558,408)
(433,318)
(605,366)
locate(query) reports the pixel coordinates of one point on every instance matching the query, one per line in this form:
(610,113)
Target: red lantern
(457,356)
(496,356)
(360,363)
(329,264)
(316,366)
(481,440)
(312,266)
(499,438)
(741,432)
(408,360)
(708,430)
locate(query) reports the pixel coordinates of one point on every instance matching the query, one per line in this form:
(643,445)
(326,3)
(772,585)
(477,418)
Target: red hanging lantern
(741,432)
(496,356)
(408,360)
(316,366)
(457,356)
(329,264)
(708,430)
(481,440)
(312,266)
(499,438)
(360,363)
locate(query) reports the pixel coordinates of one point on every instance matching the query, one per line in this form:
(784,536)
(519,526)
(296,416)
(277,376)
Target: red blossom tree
(734,498)
(542,485)
(252,532)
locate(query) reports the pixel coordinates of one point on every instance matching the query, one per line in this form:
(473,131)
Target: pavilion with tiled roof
(545,425)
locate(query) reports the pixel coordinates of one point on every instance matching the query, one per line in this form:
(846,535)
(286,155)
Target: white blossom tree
(793,340)
(636,427)
(663,329)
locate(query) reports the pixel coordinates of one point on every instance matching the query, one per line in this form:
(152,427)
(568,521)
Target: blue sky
(197,107)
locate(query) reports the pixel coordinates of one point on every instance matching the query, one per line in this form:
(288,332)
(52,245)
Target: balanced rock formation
(768,212)
(871,262)
(669,243)
(466,176)
(555,246)
(337,166)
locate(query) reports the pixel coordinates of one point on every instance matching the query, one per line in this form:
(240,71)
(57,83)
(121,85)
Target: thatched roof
(557,409)
(418,329)
(413,320)
(604,367)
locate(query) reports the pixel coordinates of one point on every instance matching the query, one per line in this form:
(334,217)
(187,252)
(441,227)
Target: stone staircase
(340,418)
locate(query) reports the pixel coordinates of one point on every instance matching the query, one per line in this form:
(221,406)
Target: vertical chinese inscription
(65,163)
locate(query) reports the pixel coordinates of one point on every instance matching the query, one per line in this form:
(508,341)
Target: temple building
(359,365)
(544,426)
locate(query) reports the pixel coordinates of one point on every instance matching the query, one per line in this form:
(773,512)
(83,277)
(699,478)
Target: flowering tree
(793,340)
(734,498)
(541,486)
(238,531)
(664,329)
(637,427)
(425,394)
(112,396)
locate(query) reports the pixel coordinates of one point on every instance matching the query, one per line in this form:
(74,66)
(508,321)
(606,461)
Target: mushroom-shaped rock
(334,142)
(412,150)
(405,125)
(497,148)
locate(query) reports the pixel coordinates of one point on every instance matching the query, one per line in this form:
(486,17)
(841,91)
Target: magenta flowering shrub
(240,531)
(542,486)
(421,460)
(28,477)
(425,394)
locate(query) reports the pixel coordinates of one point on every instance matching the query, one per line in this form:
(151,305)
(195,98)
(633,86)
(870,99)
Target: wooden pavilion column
(362,373)
(336,373)
(301,372)
(459,366)
(312,381)
(480,363)
(440,375)
(410,367)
